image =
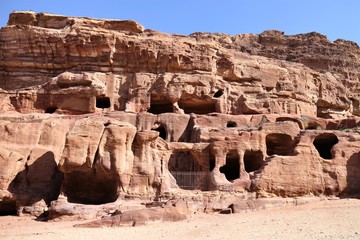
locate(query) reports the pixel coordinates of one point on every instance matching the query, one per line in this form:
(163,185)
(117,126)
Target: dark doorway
(231,124)
(160,105)
(253,160)
(50,110)
(103,102)
(280,144)
(197,106)
(232,167)
(324,143)
(162,131)
(186,170)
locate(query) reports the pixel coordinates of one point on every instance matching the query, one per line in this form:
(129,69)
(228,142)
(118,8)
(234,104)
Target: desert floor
(329,219)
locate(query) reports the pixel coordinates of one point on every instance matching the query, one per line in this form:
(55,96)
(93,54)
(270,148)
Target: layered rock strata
(97,111)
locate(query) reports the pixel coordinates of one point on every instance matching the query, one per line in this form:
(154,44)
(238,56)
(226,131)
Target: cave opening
(197,106)
(160,105)
(280,144)
(51,109)
(103,102)
(90,188)
(253,160)
(218,93)
(324,143)
(183,161)
(8,208)
(186,170)
(232,167)
(231,124)
(162,131)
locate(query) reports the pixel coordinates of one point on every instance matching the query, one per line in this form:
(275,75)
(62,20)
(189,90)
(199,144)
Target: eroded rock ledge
(97,112)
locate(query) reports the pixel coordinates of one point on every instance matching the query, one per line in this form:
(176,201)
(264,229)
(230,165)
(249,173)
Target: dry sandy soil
(329,219)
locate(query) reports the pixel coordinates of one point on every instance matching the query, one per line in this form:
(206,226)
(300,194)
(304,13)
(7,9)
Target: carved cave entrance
(160,105)
(51,109)
(280,144)
(231,124)
(186,170)
(253,160)
(103,102)
(324,143)
(232,167)
(89,188)
(161,130)
(197,106)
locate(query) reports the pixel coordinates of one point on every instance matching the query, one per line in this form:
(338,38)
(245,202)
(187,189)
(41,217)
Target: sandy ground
(330,219)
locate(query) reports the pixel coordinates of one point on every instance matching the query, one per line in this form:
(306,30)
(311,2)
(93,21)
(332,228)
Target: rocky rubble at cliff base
(104,116)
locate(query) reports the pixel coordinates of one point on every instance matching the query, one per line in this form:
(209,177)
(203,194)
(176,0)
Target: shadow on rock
(38,184)
(353,177)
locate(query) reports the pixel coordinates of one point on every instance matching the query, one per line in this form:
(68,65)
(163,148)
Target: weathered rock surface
(97,111)
(170,212)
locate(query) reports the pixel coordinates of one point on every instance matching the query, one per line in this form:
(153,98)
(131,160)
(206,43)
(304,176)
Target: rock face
(95,111)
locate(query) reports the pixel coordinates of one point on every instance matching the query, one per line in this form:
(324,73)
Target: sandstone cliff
(96,110)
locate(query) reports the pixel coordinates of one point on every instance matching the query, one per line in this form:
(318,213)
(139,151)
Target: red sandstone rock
(98,111)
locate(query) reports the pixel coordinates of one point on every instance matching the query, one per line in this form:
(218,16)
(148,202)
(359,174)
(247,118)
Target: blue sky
(334,18)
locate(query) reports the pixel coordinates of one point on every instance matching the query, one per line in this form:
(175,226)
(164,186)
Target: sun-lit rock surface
(97,111)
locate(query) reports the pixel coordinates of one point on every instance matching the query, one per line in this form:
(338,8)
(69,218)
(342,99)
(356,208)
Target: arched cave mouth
(324,143)
(8,208)
(89,188)
(160,105)
(103,102)
(280,144)
(232,167)
(161,130)
(197,106)
(253,160)
(231,124)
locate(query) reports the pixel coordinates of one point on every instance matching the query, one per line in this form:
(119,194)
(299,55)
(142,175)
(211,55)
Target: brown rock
(140,217)
(97,111)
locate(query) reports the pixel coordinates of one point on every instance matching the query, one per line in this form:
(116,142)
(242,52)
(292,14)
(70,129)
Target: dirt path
(332,219)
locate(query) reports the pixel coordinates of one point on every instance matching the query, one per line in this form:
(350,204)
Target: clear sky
(334,18)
